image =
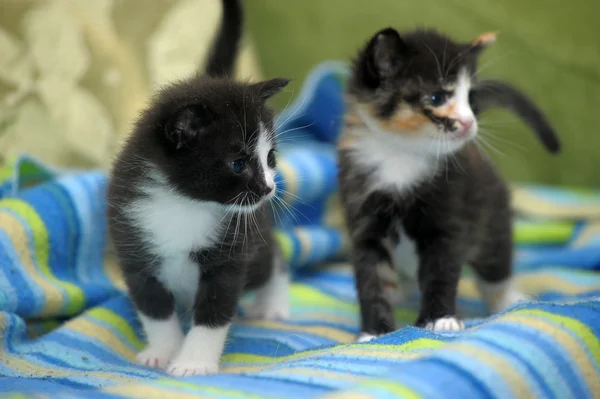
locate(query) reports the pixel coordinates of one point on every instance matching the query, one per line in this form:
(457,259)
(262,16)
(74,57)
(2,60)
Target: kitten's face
(217,142)
(417,88)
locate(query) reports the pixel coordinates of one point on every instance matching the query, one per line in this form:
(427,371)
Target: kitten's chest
(173,225)
(172,228)
(388,165)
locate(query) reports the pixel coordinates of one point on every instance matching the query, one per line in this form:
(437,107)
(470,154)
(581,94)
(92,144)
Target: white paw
(512,297)
(190,369)
(155,357)
(366,337)
(271,310)
(445,324)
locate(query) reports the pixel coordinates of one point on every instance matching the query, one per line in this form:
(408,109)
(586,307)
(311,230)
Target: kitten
(418,194)
(188,199)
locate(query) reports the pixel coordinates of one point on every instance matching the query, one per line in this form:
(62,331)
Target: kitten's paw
(190,369)
(445,324)
(157,358)
(511,297)
(366,337)
(271,310)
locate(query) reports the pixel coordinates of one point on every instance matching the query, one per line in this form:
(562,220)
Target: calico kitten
(188,199)
(418,194)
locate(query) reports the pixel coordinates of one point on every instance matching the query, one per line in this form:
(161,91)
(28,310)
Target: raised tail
(493,93)
(225,47)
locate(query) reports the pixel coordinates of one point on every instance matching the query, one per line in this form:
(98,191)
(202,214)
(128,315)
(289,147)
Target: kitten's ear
(268,88)
(186,125)
(386,53)
(483,41)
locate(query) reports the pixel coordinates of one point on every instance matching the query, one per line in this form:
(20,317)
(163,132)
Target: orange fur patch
(405,121)
(446,111)
(485,39)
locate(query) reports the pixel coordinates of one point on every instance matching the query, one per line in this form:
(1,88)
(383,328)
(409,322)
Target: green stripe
(543,232)
(119,324)
(582,331)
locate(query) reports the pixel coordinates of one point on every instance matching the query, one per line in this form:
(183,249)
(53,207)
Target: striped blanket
(68,330)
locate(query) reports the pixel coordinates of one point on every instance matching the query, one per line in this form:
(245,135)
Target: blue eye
(438,98)
(238,165)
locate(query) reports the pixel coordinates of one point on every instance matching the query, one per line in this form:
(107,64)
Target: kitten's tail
(225,47)
(492,93)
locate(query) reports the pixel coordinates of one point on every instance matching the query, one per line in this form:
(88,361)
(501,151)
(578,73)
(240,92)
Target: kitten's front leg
(439,272)
(215,308)
(376,308)
(156,311)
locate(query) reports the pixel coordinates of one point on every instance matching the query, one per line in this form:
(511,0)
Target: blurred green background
(548,48)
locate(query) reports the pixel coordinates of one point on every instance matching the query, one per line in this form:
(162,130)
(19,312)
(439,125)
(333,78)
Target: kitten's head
(213,140)
(417,87)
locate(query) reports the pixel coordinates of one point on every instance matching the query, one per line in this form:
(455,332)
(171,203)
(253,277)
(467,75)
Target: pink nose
(466,123)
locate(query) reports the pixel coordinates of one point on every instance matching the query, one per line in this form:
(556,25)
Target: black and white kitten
(420,198)
(188,215)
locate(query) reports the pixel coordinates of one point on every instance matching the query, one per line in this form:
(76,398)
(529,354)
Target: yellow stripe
(588,233)
(289,178)
(347,395)
(515,381)
(396,389)
(533,319)
(327,332)
(118,323)
(113,271)
(577,327)
(101,334)
(408,349)
(52,294)
(531,284)
(526,202)
(76,297)
(305,244)
(149,392)
(21,366)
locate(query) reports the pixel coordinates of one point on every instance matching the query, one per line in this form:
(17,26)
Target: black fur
(493,93)
(189,134)
(457,213)
(223,54)
(461,215)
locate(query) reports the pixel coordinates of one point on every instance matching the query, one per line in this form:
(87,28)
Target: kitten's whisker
(294,129)
(488,134)
(437,62)
(286,106)
(295,197)
(293,113)
(490,146)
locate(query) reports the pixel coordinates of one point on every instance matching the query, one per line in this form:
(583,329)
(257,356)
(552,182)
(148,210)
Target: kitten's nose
(465,123)
(266,190)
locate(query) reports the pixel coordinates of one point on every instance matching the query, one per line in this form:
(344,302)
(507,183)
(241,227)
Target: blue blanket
(67,328)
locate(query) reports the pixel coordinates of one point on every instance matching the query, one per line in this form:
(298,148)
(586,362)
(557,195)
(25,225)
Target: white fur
(263,147)
(404,256)
(366,337)
(461,96)
(500,296)
(164,340)
(200,352)
(173,226)
(272,300)
(445,324)
(394,167)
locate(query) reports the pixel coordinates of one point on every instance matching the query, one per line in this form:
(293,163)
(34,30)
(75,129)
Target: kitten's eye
(271,161)
(438,98)
(238,165)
